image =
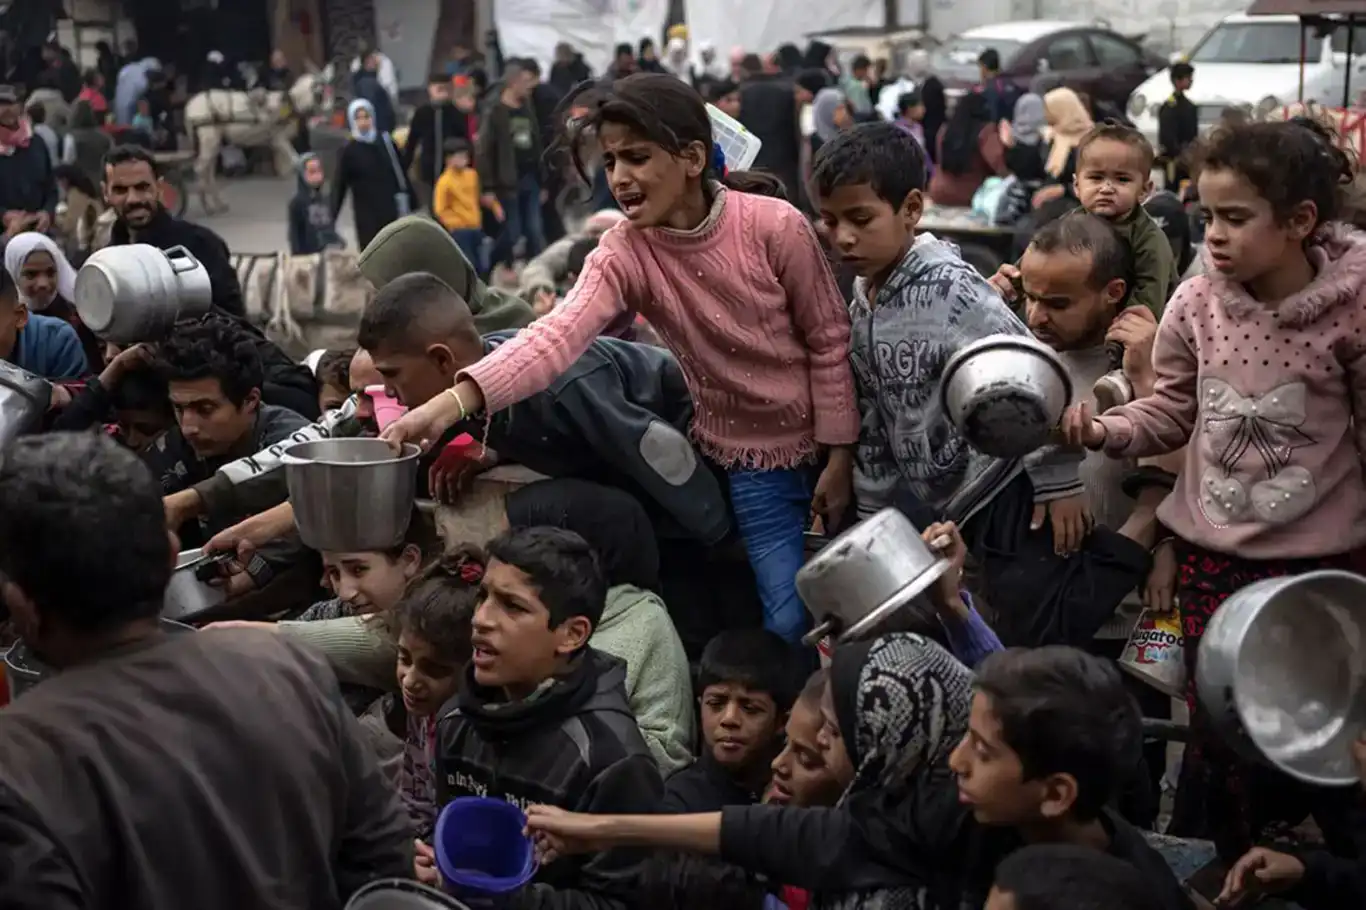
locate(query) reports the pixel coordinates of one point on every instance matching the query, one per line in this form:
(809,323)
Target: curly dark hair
(1289,162)
(214,347)
(438,606)
(882,155)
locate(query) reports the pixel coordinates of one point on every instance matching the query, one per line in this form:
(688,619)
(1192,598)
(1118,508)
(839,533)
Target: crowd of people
(715,368)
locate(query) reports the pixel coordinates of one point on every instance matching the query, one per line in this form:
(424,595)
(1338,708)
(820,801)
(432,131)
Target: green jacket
(1155,277)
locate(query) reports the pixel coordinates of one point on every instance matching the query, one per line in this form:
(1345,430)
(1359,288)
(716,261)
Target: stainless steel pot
(24,399)
(23,670)
(858,583)
(133,293)
(188,596)
(351,494)
(1281,671)
(401,894)
(1005,394)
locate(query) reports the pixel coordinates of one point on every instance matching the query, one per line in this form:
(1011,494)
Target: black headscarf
(959,147)
(613,522)
(936,111)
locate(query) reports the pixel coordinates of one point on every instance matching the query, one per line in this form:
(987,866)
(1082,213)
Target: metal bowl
(23,669)
(351,495)
(857,583)
(1005,394)
(186,596)
(1281,672)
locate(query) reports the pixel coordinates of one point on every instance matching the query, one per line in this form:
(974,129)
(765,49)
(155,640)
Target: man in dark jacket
(569,68)
(543,718)
(619,416)
(1178,126)
(433,123)
(28,189)
(214,377)
(217,770)
(509,163)
(768,109)
(132,188)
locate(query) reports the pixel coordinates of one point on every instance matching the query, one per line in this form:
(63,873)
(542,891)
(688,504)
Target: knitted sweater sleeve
(540,353)
(819,311)
(1163,421)
(358,653)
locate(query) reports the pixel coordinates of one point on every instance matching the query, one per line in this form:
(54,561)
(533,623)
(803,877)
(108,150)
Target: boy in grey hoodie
(916,302)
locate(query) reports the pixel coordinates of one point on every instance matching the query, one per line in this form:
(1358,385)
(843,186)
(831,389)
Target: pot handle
(188,263)
(828,627)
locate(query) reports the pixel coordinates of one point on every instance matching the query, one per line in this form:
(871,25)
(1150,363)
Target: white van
(1254,62)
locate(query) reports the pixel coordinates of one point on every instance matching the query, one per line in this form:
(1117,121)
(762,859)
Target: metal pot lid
(913,589)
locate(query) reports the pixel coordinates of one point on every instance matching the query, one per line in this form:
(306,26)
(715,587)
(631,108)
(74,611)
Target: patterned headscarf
(906,702)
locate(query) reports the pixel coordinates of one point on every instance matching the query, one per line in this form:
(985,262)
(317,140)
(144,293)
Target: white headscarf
(24,245)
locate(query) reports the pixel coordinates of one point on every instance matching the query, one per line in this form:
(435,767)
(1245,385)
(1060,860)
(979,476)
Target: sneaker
(1112,390)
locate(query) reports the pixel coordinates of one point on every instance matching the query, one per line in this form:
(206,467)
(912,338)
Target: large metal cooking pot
(856,585)
(23,402)
(23,670)
(133,293)
(1281,671)
(351,494)
(401,894)
(1005,394)
(189,596)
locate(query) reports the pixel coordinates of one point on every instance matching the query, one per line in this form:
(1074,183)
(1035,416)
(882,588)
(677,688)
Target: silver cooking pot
(189,596)
(351,494)
(23,669)
(401,894)
(24,399)
(1005,394)
(855,587)
(133,293)
(1281,671)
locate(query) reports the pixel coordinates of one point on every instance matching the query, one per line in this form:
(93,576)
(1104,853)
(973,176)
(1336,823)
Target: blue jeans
(471,243)
(771,508)
(521,218)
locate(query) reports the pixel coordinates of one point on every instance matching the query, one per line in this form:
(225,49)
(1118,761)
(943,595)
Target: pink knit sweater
(1273,403)
(747,304)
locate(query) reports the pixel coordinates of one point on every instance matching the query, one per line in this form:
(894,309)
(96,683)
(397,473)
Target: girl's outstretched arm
(1163,421)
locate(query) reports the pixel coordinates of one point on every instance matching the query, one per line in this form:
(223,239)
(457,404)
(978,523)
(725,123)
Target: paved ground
(256,220)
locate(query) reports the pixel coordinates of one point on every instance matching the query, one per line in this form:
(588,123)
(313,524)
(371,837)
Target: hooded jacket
(572,744)
(311,226)
(1270,404)
(418,244)
(933,304)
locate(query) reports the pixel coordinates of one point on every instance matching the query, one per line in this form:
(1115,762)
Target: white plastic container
(739,145)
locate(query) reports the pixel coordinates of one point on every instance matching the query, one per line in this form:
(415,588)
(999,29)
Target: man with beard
(28,189)
(213,769)
(133,189)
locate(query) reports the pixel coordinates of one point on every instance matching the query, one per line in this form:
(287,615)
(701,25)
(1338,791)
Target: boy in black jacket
(745,685)
(1178,125)
(542,717)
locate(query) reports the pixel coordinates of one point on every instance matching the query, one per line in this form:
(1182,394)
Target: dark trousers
(521,220)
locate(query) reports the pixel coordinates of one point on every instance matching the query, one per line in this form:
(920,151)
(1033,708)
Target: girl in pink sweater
(1261,375)
(736,285)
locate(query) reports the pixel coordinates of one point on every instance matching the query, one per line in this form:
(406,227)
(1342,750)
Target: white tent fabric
(532,28)
(761,25)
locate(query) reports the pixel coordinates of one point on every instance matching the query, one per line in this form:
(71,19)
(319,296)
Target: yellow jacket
(456,200)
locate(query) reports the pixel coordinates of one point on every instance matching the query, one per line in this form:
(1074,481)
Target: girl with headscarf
(830,115)
(47,285)
(369,169)
(1068,121)
(970,151)
(936,112)
(635,626)
(898,839)
(1023,139)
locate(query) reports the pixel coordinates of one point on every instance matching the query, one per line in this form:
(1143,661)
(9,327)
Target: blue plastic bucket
(481,850)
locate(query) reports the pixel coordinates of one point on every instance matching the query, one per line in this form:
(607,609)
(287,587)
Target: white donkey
(255,119)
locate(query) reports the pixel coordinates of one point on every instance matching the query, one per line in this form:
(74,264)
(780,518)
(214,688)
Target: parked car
(1253,62)
(1102,63)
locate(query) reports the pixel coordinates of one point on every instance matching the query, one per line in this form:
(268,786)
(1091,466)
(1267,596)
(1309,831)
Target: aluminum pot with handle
(855,587)
(1282,673)
(1005,394)
(351,494)
(24,399)
(134,293)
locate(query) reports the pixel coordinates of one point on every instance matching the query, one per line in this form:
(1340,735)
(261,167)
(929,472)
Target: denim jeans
(471,243)
(521,218)
(771,508)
